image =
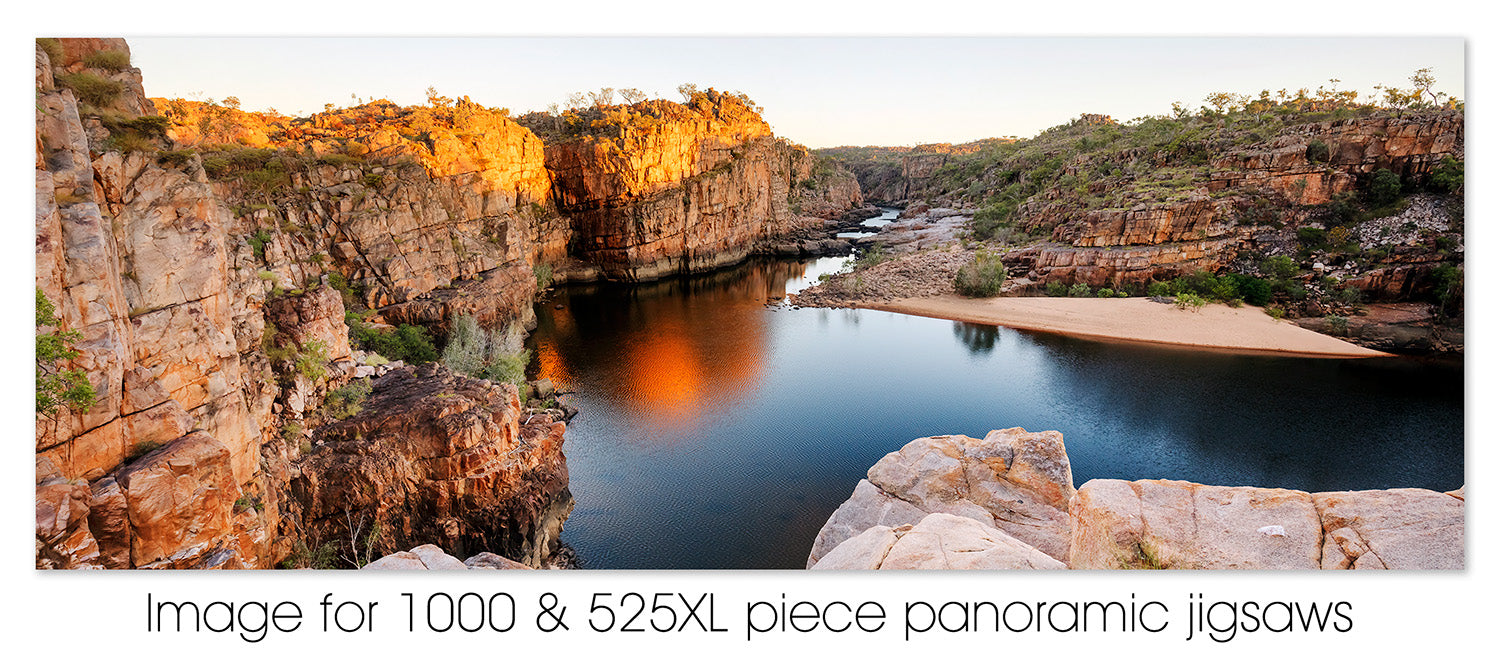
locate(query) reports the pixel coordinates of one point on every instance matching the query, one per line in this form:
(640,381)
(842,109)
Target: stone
(434,558)
(866,508)
(1391,529)
(399,561)
(1182,525)
(938,541)
(179,501)
(489,560)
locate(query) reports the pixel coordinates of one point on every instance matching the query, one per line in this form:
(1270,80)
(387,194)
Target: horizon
(813,89)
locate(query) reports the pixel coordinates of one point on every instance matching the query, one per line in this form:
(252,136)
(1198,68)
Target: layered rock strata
(1007,502)
(441,458)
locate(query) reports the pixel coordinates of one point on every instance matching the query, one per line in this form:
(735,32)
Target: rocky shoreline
(1007,501)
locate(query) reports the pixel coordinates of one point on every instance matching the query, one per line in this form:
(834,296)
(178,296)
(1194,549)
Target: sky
(818,91)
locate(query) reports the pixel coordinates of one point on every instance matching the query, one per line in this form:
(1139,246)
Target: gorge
(258,301)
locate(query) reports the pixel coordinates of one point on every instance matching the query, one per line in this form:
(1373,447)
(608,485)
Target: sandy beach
(1135,319)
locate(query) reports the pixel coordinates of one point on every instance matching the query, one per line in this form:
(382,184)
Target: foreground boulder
(1013,480)
(1007,502)
(430,557)
(938,541)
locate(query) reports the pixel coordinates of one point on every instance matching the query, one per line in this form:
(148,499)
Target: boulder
(1167,524)
(1391,529)
(938,541)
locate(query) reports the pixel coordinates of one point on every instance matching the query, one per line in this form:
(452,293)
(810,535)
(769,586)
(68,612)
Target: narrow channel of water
(719,429)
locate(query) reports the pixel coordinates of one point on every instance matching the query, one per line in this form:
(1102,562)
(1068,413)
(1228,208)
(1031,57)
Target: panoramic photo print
(750,303)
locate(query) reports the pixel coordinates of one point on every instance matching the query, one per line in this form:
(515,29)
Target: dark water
(718,432)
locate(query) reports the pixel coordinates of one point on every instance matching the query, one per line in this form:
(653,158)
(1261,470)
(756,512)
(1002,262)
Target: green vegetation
(1057,289)
(112,60)
(92,89)
(1317,152)
(258,242)
(1190,301)
(493,355)
(312,360)
(1385,187)
(1080,290)
(543,273)
(981,278)
(58,388)
(347,401)
(408,343)
(52,47)
(1448,176)
(871,256)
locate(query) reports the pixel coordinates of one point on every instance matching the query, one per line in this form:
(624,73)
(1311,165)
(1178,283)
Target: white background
(1408,614)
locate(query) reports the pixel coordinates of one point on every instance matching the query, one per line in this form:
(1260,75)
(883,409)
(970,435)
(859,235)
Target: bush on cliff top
(112,60)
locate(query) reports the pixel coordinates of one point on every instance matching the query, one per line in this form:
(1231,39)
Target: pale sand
(1136,319)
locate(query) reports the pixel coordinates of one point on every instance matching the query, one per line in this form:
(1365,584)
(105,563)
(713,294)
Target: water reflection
(720,431)
(979,338)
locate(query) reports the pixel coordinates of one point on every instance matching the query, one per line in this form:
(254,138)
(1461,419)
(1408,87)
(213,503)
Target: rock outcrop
(1015,481)
(998,500)
(442,458)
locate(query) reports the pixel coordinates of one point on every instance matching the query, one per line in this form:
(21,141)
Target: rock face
(205,256)
(980,489)
(683,189)
(437,457)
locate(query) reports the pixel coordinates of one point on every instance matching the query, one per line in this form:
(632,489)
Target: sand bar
(1218,326)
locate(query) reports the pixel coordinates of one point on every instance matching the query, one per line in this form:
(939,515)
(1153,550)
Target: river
(719,428)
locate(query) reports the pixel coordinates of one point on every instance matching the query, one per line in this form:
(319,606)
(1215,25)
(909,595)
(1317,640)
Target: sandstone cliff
(207,258)
(1007,502)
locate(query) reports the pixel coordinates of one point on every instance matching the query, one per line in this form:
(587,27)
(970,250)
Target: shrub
(1189,300)
(1338,325)
(113,60)
(1158,290)
(1280,267)
(873,255)
(175,158)
(1253,290)
(1276,311)
(408,343)
(348,400)
(981,278)
(1080,290)
(312,360)
(482,354)
(291,431)
(1448,175)
(543,273)
(52,47)
(1317,152)
(1385,187)
(57,388)
(1105,292)
(92,89)
(1312,237)
(1056,288)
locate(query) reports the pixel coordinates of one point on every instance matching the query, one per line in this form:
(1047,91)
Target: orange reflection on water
(669,352)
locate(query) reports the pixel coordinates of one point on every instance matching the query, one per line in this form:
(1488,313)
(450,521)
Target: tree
(604,97)
(632,95)
(1422,82)
(436,100)
(687,90)
(57,388)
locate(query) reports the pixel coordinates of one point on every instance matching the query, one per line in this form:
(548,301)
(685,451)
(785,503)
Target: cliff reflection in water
(670,353)
(719,432)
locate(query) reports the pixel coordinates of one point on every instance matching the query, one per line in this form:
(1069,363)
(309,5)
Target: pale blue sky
(819,91)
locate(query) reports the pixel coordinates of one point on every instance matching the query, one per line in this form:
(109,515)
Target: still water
(719,429)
